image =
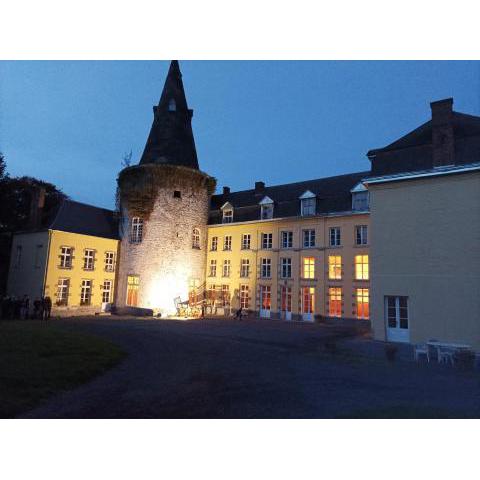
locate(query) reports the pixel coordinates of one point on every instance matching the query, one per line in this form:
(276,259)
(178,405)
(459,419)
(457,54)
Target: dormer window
(308,204)
(360,200)
(172,105)
(266,208)
(227,213)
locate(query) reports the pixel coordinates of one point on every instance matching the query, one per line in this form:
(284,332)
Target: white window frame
(309,238)
(63,288)
(227,243)
(308,204)
(213,268)
(266,268)
(246,241)
(360,294)
(335,270)
(109,261)
(285,267)
(107,291)
(335,236)
(226,268)
(214,244)
(286,239)
(136,230)
(335,294)
(86,293)
(244,268)
(310,270)
(227,215)
(66,257)
(196,238)
(244,297)
(267,241)
(361,235)
(362,268)
(89,259)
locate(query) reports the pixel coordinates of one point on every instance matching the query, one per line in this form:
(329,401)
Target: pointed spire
(171,137)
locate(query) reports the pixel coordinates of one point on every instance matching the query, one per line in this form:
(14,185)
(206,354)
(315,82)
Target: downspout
(46,262)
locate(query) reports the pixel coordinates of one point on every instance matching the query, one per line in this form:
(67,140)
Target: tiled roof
(75,217)
(332,193)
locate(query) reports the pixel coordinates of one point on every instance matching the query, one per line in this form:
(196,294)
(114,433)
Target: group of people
(19,308)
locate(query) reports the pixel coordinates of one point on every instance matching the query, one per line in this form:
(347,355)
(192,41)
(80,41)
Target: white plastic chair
(445,355)
(421,349)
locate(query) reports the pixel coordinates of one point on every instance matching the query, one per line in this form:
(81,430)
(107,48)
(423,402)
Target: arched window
(196,238)
(172,105)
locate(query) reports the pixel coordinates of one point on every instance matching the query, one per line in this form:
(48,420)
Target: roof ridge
(297,183)
(88,205)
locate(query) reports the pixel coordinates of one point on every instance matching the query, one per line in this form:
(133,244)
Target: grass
(38,360)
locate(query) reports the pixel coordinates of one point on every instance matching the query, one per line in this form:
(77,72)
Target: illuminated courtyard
(258,369)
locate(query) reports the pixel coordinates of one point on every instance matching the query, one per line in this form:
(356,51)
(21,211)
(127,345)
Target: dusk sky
(70,123)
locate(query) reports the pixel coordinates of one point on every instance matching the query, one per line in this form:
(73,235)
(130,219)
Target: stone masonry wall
(165,260)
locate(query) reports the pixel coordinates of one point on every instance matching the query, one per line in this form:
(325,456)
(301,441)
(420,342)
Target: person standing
(47,307)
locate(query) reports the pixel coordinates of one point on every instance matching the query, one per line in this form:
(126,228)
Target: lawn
(39,359)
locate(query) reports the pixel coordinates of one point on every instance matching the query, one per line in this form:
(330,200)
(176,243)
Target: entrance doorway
(308,302)
(265,300)
(286,303)
(396,318)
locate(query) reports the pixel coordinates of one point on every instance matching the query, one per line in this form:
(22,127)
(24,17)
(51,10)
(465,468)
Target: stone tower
(164,202)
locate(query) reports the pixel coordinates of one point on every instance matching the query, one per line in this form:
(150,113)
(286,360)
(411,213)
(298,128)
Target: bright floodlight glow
(165,287)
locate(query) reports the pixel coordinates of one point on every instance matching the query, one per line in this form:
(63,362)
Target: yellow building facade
(294,268)
(76,270)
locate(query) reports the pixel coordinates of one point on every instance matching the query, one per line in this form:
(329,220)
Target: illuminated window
(89,259)
(86,292)
(334,267)
(308,299)
(287,239)
(227,242)
(136,230)
(226,295)
(308,238)
(133,284)
(226,268)
(63,288)
(227,216)
(266,268)
(66,256)
(107,291)
(196,238)
(361,235)
(213,268)
(245,268)
(267,240)
(246,241)
(286,299)
(265,297)
(244,297)
(308,270)
(363,303)
(214,244)
(286,267)
(172,105)
(361,267)
(335,237)
(109,261)
(335,302)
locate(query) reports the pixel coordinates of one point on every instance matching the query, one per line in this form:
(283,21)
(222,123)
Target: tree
(15,203)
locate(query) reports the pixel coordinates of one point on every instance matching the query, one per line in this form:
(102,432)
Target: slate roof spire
(171,137)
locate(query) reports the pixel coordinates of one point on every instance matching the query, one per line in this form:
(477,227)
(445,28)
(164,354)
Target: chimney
(443,141)
(226,190)
(37,202)
(259,188)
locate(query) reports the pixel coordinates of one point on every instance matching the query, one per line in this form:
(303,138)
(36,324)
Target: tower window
(136,230)
(196,238)
(172,105)
(177,194)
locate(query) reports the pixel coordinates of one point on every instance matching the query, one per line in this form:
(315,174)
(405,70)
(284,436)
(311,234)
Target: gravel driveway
(254,369)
